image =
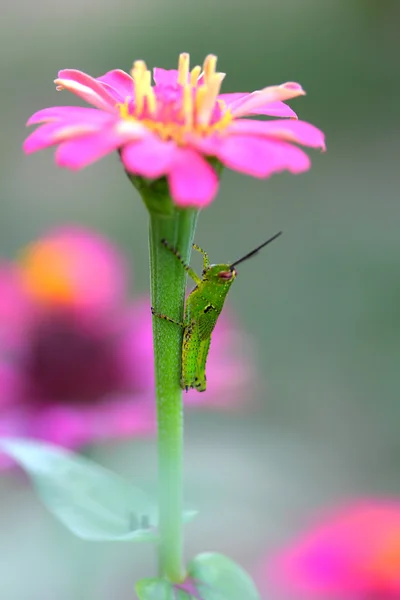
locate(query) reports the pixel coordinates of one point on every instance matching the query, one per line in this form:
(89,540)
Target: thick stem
(168,282)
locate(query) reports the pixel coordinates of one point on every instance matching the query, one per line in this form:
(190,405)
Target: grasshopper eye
(225,275)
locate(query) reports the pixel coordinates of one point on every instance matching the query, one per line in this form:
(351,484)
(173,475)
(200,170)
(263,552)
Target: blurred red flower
(355,553)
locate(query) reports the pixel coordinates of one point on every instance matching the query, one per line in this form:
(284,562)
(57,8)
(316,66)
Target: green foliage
(211,576)
(91,501)
(155,589)
(217,577)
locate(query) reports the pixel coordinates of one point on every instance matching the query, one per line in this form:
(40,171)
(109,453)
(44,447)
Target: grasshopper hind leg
(194,359)
(166,318)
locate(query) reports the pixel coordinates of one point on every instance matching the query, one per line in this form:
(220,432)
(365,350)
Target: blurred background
(321,304)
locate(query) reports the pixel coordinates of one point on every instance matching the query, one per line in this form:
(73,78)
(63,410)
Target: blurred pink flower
(171,128)
(354,554)
(76,360)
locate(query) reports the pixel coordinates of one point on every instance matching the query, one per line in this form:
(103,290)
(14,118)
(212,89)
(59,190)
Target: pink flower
(171,129)
(353,554)
(76,359)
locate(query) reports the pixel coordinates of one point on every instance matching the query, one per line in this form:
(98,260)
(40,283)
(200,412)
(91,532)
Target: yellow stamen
(123,109)
(147,93)
(139,66)
(194,75)
(209,67)
(138,75)
(224,122)
(193,113)
(210,98)
(151,101)
(201,94)
(146,79)
(188,105)
(183,68)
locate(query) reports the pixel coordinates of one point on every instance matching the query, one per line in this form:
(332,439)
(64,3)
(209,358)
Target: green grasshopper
(202,309)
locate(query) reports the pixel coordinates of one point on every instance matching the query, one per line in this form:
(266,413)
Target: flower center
(46,273)
(71,358)
(188,105)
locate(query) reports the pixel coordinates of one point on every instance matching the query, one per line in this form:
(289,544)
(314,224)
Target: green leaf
(210,576)
(159,589)
(154,589)
(217,577)
(91,501)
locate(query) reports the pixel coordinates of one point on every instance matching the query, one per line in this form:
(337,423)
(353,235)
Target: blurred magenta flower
(354,554)
(172,128)
(76,359)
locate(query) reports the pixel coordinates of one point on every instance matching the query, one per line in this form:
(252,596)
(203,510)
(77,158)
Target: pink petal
(300,132)
(246,154)
(193,182)
(54,133)
(118,83)
(272,109)
(231,98)
(353,554)
(68,113)
(259,157)
(126,417)
(260,98)
(15,421)
(15,309)
(62,425)
(80,152)
(86,87)
(205,145)
(167,77)
(111,419)
(150,157)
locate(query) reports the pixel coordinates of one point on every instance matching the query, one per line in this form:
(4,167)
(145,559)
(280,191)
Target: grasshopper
(202,309)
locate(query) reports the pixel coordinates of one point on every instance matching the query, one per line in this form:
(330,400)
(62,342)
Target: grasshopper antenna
(255,251)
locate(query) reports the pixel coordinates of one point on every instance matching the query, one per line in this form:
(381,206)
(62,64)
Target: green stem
(168,282)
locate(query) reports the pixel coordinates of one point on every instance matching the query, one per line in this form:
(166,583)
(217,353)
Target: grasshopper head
(221,274)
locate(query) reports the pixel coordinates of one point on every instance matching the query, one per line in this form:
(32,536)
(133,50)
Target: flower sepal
(156,194)
(210,576)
